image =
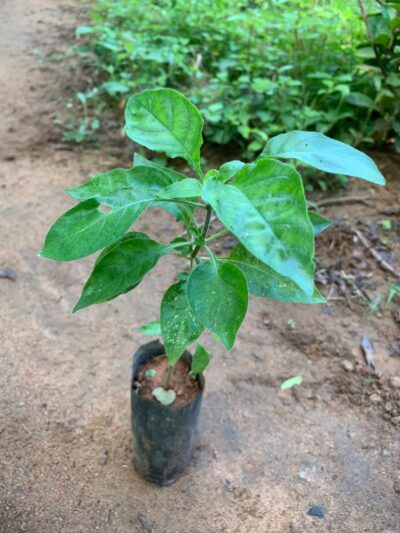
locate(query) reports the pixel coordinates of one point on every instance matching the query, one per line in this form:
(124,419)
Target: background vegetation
(254,68)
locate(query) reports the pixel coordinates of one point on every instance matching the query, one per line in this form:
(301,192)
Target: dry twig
(343,200)
(375,254)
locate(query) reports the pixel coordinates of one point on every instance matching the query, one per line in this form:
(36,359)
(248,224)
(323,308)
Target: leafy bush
(254,68)
(380,71)
(261,203)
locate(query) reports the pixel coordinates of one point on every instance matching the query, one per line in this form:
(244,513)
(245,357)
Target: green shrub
(379,73)
(254,68)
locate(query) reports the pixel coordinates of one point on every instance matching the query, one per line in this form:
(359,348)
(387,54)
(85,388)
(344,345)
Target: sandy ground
(264,456)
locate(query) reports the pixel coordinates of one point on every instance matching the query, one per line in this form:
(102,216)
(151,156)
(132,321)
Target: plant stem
(167,377)
(180,244)
(217,235)
(184,202)
(212,256)
(378,56)
(204,231)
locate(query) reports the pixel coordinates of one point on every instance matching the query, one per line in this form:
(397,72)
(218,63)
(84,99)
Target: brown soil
(264,456)
(186,388)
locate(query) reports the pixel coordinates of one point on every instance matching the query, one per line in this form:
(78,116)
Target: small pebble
(8,273)
(227,483)
(103,458)
(348,366)
(388,407)
(395,382)
(375,398)
(396,486)
(317,511)
(145,523)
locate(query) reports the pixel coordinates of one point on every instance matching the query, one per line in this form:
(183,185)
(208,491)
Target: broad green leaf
(266,209)
(291,382)
(179,326)
(360,100)
(187,188)
(319,151)
(200,361)
(228,170)
(165,397)
(165,121)
(380,29)
(319,223)
(86,228)
(366,52)
(217,294)
(144,179)
(265,282)
(121,267)
(152,328)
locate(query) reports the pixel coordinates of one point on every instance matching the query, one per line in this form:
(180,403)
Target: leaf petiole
(204,231)
(184,202)
(217,235)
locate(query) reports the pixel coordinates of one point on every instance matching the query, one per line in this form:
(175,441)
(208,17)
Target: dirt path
(264,457)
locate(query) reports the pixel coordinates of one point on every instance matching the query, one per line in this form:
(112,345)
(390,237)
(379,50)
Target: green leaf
(266,209)
(165,121)
(144,179)
(360,100)
(200,361)
(152,328)
(179,326)
(86,228)
(263,281)
(366,52)
(217,294)
(165,397)
(121,267)
(319,222)
(228,170)
(291,382)
(187,188)
(319,151)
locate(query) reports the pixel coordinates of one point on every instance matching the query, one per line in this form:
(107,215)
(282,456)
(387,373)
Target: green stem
(217,235)
(184,202)
(212,256)
(204,231)
(167,377)
(180,244)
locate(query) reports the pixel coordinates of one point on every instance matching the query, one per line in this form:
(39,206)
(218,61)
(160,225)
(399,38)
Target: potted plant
(261,203)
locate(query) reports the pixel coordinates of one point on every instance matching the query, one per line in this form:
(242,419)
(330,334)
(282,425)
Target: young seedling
(262,203)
